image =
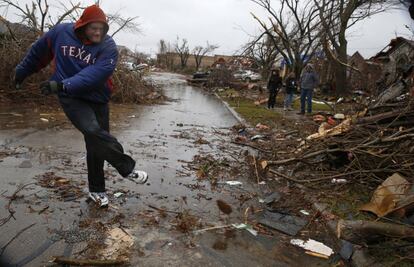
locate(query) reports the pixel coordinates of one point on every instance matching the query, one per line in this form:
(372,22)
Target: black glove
(17,83)
(51,87)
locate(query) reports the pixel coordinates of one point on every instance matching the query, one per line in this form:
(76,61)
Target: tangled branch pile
(365,148)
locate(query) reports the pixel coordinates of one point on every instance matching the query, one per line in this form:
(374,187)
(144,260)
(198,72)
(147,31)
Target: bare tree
(199,52)
(37,14)
(336,17)
(183,51)
(165,57)
(263,52)
(293,29)
(123,24)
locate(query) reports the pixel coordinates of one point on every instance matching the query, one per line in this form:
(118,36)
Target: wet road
(164,139)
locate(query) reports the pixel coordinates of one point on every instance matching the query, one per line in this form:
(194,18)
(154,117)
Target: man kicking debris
(84,59)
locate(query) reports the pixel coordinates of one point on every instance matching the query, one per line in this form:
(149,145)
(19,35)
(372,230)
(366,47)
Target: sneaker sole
(90,199)
(143,182)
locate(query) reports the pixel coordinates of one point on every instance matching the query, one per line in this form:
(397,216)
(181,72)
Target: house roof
(392,46)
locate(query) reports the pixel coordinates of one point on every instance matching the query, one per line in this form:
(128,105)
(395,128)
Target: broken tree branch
(363,232)
(86,262)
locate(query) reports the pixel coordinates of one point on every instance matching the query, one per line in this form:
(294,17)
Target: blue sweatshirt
(84,69)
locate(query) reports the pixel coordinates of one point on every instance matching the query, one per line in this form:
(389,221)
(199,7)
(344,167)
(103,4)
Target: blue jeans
(288,100)
(306,96)
(92,120)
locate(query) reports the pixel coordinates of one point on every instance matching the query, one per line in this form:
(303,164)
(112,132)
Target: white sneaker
(139,177)
(99,198)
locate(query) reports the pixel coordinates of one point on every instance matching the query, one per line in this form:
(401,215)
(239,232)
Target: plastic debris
(273,197)
(260,126)
(347,250)
(44,120)
(246,227)
(118,194)
(304,212)
(313,246)
(233,183)
(339,181)
(258,136)
(319,118)
(339,116)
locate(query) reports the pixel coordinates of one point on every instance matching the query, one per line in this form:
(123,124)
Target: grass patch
(252,113)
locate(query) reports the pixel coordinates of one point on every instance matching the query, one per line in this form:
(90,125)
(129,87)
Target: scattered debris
(233,183)
(117,245)
(118,194)
(391,196)
(284,223)
(273,197)
(304,212)
(246,227)
(256,137)
(262,127)
(224,207)
(339,181)
(339,116)
(313,246)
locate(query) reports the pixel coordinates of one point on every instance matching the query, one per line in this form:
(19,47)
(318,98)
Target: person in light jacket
(309,80)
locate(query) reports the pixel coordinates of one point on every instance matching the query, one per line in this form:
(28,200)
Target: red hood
(92,14)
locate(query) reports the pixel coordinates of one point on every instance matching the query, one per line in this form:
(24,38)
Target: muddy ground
(186,147)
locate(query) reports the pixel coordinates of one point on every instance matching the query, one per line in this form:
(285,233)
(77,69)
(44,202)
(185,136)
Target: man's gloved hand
(51,87)
(17,83)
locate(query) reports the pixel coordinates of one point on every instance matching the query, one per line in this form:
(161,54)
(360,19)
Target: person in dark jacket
(290,85)
(273,85)
(84,59)
(308,81)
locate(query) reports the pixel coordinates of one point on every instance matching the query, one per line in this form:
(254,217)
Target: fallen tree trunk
(86,262)
(307,156)
(365,232)
(392,92)
(384,116)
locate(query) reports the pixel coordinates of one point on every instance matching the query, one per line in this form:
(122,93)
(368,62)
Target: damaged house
(395,58)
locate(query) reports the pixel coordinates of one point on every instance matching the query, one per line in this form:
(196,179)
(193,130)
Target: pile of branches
(373,147)
(131,87)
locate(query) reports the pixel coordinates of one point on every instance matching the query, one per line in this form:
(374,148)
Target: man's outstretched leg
(93,121)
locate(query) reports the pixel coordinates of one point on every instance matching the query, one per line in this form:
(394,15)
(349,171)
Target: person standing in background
(291,87)
(273,85)
(309,80)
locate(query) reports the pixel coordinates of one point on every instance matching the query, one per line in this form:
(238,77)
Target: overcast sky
(227,23)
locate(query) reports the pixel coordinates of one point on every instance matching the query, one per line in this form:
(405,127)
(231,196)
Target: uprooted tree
(293,29)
